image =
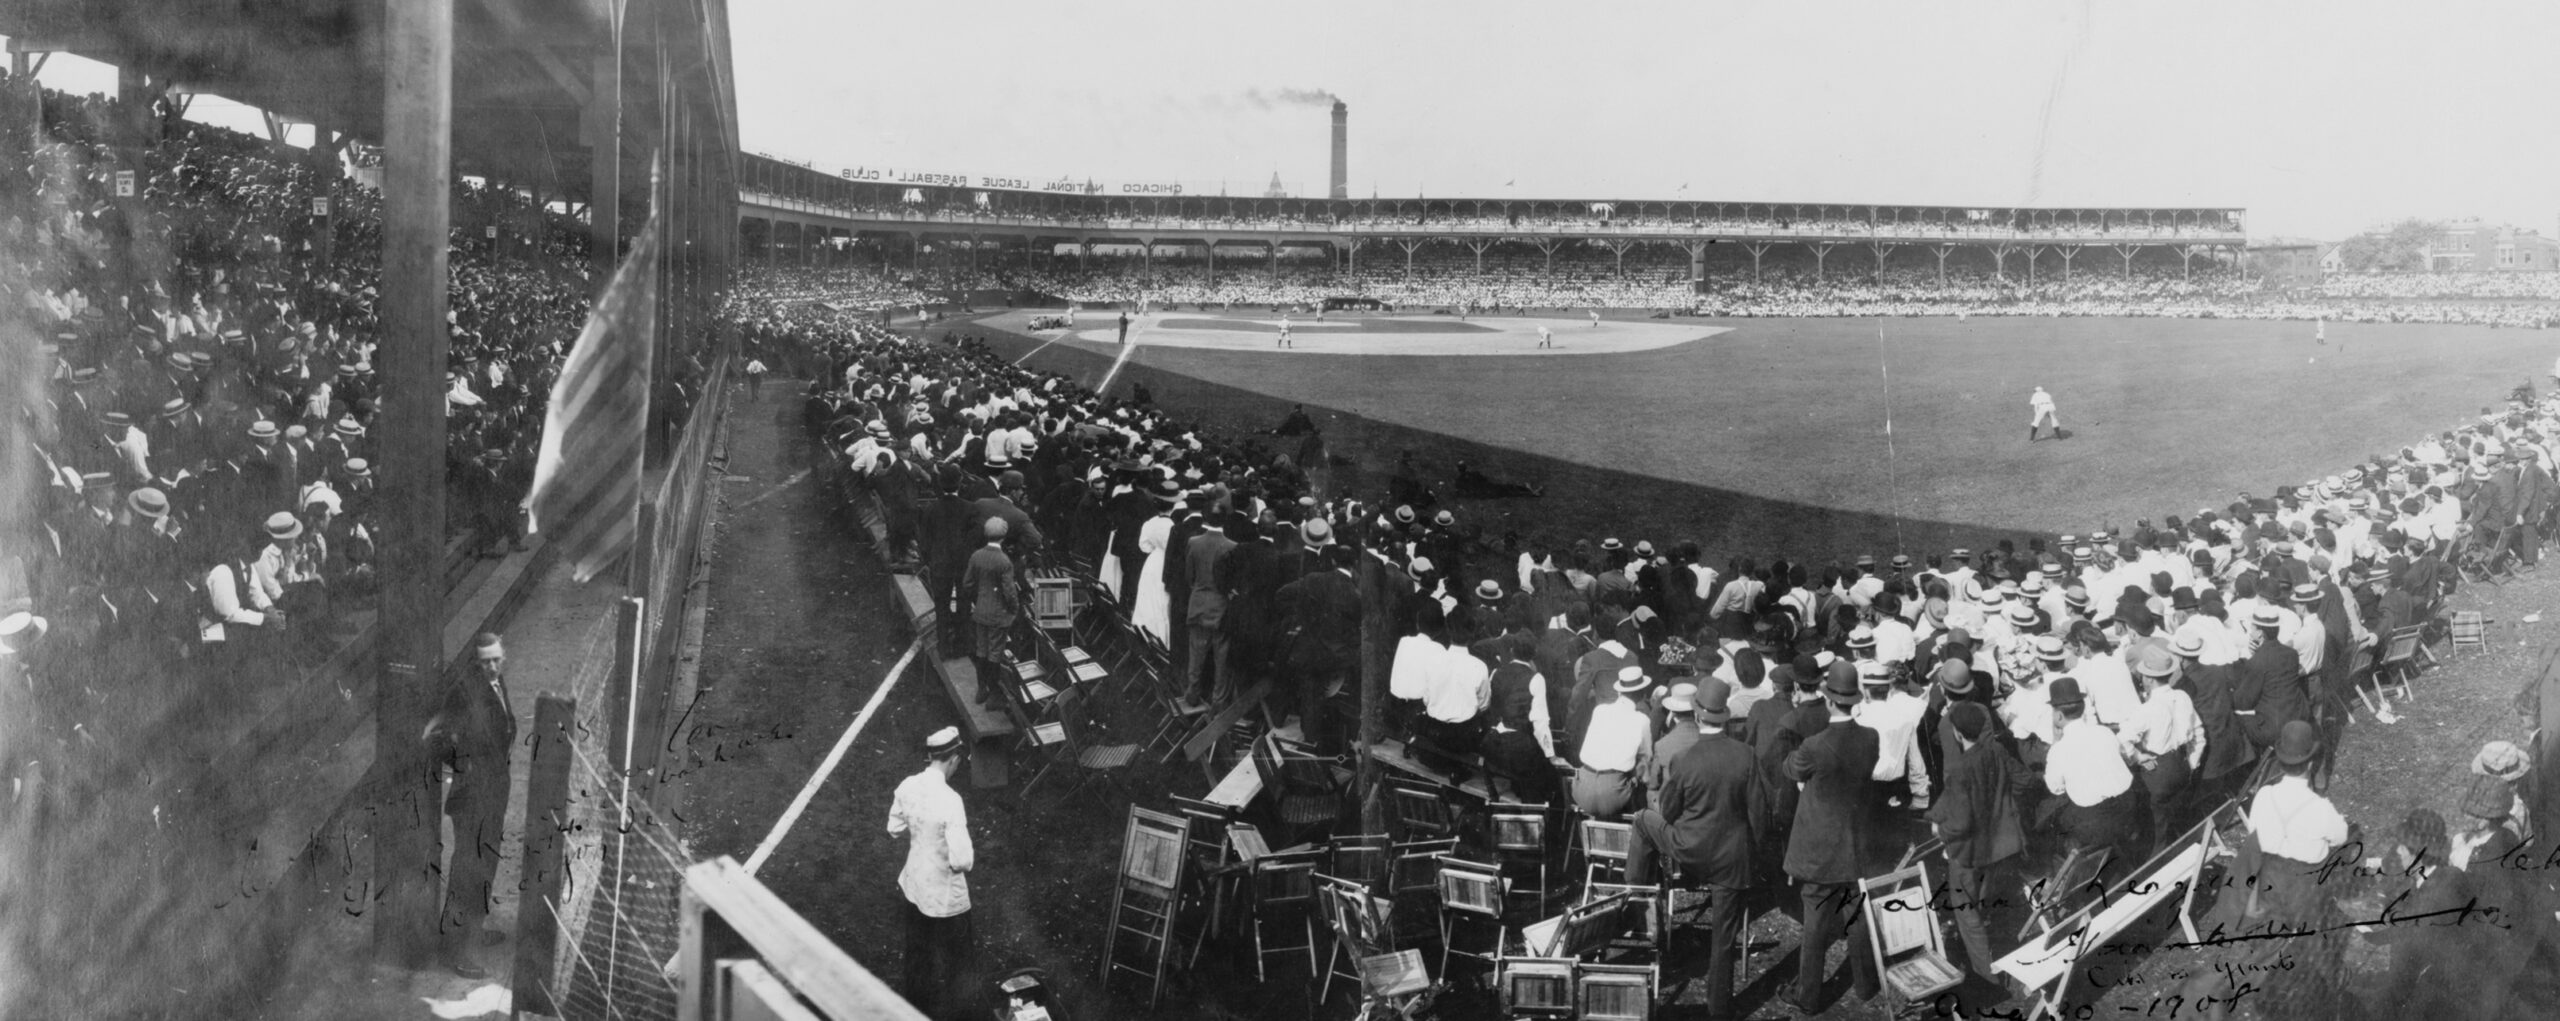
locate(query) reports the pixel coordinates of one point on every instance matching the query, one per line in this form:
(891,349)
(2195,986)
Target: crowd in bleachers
(1577,276)
(2079,694)
(2397,286)
(210,504)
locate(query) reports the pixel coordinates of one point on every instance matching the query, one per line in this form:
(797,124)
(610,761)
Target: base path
(1370,334)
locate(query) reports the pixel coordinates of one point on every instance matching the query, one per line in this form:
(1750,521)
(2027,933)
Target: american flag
(586,485)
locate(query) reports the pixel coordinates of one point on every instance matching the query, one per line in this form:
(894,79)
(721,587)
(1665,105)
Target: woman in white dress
(1153,608)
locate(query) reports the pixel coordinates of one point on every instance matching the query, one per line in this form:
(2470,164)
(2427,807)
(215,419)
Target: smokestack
(1341,155)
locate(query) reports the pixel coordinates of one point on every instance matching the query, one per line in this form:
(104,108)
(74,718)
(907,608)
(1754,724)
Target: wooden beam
(417,186)
(721,891)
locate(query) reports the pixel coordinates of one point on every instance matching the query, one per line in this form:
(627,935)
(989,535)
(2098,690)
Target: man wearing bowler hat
(1837,840)
(935,881)
(1707,816)
(2293,832)
(1978,817)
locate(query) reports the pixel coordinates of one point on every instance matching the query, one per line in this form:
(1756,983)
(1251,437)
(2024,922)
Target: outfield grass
(1771,438)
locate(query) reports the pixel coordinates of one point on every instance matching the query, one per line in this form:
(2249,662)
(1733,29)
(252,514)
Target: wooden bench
(1391,752)
(990,730)
(1196,747)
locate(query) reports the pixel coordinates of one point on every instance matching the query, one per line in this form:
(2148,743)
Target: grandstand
(790,206)
(280,402)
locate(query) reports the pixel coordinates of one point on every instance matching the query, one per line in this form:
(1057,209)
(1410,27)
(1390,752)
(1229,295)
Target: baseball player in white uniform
(2042,403)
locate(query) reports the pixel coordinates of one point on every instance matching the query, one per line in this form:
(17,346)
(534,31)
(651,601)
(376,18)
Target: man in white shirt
(1894,714)
(2102,675)
(935,881)
(2042,404)
(2165,737)
(2296,831)
(1896,642)
(2087,768)
(1615,748)
(1453,702)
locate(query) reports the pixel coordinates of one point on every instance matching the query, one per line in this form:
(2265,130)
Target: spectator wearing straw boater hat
(928,812)
(2270,691)
(1615,748)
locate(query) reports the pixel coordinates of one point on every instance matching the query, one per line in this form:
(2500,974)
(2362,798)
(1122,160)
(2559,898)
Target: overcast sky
(2320,117)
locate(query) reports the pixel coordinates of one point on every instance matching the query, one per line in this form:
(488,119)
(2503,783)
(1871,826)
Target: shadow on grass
(1582,503)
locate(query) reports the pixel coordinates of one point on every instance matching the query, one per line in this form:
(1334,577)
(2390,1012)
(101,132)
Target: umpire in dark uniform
(467,746)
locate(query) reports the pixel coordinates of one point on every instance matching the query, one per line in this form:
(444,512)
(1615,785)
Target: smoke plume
(1267,99)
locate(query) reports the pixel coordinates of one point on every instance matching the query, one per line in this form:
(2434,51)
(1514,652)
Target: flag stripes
(586,485)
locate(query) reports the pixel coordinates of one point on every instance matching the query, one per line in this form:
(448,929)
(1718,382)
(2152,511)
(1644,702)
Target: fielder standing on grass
(755,379)
(1546,337)
(936,879)
(2042,402)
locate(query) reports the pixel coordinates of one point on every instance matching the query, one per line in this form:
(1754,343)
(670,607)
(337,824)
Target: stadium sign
(993,182)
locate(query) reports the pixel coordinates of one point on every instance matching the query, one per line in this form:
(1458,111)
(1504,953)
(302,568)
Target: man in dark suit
(1559,648)
(1252,624)
(2534,492)
(2496,504)
(1708,817)
(470,737)
(1323,614)
(2270,692)
(1006,504)
(1204,662)
(1836,841)
(1977,816)
(2228,752)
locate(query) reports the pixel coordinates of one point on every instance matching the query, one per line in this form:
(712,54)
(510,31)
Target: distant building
(2470,246)
(2333,258)
(2284,262)
(1275,191)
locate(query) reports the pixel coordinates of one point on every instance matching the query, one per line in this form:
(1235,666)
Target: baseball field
(1770,436)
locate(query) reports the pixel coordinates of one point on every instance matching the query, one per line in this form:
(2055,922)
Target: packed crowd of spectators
(2396,286)
(2097,691)
(1652,277)
(209,493)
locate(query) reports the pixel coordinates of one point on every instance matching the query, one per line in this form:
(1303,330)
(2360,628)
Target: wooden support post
(604,172)
(1377,652)
(545,873)
(417,189)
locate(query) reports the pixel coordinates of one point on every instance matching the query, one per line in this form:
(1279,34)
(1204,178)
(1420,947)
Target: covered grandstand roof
(523,69)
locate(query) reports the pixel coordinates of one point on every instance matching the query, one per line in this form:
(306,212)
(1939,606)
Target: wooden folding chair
(1520,841)
(2470,629)
(1605,846)
(2396,666)
(1359,930)
(1281,890)
(1471,893)
(1424,812)
(1359,858)
(1909,947)
(1092,761)
(1535,987)
(1139,940)
(1614,992)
